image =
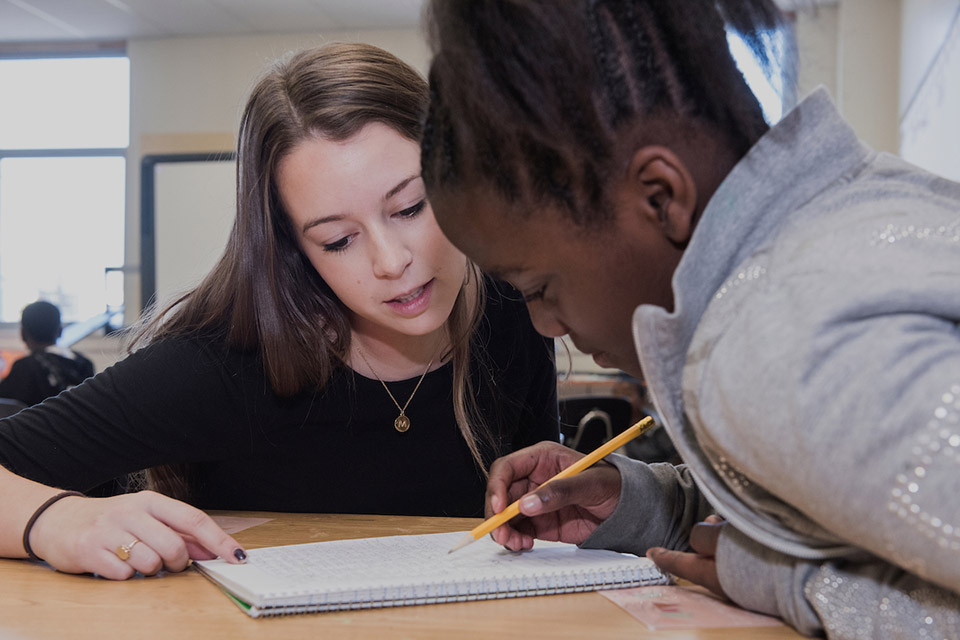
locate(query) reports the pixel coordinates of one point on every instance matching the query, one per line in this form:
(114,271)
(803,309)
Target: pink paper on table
(684,607)
(233,524)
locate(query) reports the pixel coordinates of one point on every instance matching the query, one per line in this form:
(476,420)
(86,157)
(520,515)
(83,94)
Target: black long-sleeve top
(332,450)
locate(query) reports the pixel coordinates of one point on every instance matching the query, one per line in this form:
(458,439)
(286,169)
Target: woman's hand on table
(155,532)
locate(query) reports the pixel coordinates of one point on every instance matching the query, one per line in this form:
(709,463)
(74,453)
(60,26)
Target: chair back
(586,422)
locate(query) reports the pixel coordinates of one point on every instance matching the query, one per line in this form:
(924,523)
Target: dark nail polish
(240,554)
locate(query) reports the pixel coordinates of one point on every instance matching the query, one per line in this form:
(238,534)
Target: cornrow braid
(437,128)
(544,93)
(636,21)
(611,70)
(705,61)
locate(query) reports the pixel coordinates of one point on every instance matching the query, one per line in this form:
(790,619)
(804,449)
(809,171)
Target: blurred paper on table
(233,524)
(684,607)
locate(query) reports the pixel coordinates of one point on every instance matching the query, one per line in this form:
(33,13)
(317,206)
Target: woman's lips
(414,302)
(410,296)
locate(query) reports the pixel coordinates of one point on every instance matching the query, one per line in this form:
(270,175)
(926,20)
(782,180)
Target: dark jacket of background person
(40,375)
(48,369)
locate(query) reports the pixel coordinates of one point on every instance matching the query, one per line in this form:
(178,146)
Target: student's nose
(545,320)
(391,257)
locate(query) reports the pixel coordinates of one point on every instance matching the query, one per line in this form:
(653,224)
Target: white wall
(187,94)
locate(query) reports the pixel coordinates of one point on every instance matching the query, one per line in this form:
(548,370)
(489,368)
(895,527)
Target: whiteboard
(189,203)
(930,129)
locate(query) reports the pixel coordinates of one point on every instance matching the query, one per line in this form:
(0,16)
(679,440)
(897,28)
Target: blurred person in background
(49,369)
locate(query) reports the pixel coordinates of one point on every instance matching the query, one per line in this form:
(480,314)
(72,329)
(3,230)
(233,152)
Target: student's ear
(664,191)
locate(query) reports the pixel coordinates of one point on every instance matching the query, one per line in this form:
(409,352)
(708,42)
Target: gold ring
(123,551)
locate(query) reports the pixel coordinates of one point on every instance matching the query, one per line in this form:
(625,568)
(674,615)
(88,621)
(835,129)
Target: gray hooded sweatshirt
(809,376)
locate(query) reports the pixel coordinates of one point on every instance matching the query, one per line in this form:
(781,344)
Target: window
(64,130)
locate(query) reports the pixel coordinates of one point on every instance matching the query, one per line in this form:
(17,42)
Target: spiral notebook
(411,570)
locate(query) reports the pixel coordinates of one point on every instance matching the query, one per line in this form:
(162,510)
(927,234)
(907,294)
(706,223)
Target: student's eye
(535,295)
(338,245)
(412,212)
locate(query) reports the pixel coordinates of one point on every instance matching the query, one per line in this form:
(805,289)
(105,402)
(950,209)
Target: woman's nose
(391,257)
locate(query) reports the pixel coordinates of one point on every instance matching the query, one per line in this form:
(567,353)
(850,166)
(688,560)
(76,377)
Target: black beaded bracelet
(37,514)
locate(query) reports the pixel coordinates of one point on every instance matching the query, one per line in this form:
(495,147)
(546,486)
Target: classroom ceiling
(44,21)
(36,21)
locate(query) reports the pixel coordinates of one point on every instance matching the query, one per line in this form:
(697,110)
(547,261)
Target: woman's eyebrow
(340,216)
(317,221)
(400,186)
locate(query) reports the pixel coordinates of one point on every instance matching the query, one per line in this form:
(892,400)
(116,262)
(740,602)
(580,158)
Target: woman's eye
(411,212)
(339,245)
(534,296)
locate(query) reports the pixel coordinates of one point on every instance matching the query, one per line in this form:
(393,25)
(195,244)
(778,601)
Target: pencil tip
(464,541)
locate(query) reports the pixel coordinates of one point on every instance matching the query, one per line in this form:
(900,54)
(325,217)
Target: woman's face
(359,210)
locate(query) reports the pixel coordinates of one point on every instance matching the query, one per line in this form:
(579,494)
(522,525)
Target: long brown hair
(264,294)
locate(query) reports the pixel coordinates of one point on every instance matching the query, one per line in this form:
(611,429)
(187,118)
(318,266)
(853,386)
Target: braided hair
(534,98)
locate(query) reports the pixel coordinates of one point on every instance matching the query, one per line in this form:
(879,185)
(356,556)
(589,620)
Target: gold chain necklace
(402,423)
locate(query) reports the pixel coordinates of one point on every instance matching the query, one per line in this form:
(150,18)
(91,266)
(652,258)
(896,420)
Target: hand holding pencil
(563,493)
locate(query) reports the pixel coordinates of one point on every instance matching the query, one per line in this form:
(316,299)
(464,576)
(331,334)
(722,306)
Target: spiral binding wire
(399,595)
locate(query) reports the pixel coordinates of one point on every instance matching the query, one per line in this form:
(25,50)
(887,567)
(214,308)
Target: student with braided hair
(788,295)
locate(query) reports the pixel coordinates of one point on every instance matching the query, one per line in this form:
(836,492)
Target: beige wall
(187,94)
(853,49)
(877,58)
(868,78)
(817,39)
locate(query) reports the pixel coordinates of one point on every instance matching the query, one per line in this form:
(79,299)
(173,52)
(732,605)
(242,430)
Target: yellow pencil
(597,454)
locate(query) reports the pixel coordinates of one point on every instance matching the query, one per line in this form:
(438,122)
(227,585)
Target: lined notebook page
(411,558)
(397,570)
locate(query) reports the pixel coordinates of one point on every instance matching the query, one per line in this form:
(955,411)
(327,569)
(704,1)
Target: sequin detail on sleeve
(734,478)
(853,609)
(893,233)
(748,274)
(936,445)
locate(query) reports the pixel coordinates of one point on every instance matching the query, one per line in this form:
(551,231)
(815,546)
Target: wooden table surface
(37,602)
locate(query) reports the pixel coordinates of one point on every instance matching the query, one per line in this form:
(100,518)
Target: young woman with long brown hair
(342,356)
